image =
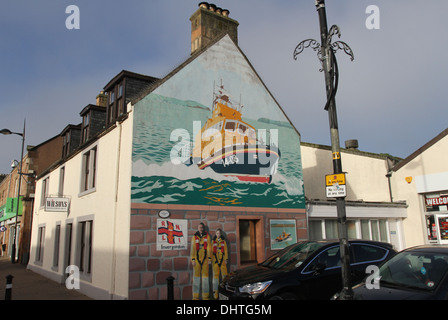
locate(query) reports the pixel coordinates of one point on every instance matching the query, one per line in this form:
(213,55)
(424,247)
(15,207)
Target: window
(112,97)
(40,244)
(85,246)
(66,144)
(57,236)
(68,243)
(61,181)
(88,181)
(85,127)
(365,253)
(374,229)
(44,191)
(330,257)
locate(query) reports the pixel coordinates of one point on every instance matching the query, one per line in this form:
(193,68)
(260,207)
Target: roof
(130,74)
(352,151)
(425,147)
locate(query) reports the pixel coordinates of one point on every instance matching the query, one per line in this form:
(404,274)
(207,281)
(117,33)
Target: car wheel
(284,296)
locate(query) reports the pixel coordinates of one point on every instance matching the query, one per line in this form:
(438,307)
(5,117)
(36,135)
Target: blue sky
(391,97)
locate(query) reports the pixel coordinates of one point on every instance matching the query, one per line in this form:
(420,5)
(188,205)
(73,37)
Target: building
(421,180)
(372,213)
(36,160)
(207,143)
(104,206)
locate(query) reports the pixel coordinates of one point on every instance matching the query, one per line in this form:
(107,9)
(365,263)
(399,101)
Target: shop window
(436,217)
(356,229)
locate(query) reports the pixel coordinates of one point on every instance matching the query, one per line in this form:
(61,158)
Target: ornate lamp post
(326,54)
(19,170)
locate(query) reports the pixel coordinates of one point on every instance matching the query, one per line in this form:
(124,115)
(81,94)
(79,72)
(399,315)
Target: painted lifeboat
(229,146)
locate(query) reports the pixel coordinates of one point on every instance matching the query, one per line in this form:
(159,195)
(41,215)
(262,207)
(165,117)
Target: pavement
(28,285)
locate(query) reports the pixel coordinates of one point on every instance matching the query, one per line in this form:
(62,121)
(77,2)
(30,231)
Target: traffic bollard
(8,291)
(170,285)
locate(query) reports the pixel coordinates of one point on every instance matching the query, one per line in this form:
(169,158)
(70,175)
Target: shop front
(436,216)
(8,225)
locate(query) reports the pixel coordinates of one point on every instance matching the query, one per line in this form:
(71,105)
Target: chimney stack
(210,22)
(101,99)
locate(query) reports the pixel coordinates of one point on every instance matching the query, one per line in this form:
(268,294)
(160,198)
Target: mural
(212,135)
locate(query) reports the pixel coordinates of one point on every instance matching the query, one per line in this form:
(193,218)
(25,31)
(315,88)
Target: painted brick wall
(149,268)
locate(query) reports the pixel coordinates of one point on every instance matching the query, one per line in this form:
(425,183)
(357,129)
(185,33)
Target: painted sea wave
(156,179)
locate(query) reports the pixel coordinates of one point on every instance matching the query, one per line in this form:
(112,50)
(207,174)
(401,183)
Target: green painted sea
(156,179)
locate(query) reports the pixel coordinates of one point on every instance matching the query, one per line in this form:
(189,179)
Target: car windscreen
(415,270)
(293,256)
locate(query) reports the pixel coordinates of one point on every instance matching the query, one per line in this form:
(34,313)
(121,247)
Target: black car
(305,270)
(418,273)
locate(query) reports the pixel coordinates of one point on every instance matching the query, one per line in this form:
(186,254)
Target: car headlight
(255,288)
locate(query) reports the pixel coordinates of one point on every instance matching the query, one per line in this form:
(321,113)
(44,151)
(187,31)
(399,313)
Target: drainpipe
(389,175)
(117,179)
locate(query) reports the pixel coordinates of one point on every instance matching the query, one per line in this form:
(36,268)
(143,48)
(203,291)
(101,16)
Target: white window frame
(89,167)
(44,190)
(84,256)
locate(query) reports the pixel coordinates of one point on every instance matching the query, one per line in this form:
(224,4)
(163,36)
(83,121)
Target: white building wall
(108,206)
(425,173)
(365,173)
(367,191)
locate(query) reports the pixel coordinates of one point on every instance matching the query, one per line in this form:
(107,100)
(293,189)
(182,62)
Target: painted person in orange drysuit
(201,258)
(219,260)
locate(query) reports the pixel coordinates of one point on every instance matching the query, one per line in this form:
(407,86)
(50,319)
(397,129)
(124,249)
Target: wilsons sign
(57,204)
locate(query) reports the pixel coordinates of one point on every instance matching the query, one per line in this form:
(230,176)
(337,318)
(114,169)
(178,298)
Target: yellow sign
(332,179)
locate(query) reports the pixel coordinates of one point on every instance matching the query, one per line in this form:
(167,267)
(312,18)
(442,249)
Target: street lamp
(19,170)
(326,54)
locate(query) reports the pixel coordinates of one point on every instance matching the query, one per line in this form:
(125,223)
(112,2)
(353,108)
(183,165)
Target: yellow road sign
(332,179)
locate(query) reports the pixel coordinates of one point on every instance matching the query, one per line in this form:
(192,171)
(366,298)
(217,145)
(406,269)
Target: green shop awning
(9,210)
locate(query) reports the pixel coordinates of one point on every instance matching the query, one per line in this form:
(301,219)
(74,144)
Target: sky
(392,97)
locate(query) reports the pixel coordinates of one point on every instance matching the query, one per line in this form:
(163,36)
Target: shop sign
(437,201)
(57,204)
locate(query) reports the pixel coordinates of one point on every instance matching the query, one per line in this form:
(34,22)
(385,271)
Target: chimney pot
(204,5)
(225,12)
(351,144)
(212,7)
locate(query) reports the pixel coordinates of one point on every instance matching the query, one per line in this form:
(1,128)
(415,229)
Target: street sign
(335,185)
(332,179)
